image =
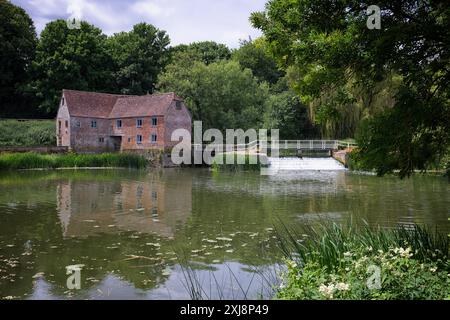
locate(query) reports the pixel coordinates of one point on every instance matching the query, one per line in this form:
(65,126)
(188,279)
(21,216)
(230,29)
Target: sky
(186,21)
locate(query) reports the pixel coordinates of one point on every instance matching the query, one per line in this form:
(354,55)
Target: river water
(144,234)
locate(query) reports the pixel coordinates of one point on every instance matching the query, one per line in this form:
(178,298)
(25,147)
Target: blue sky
(186,21)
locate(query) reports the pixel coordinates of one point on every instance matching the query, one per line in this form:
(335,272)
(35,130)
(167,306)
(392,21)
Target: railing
(280,144)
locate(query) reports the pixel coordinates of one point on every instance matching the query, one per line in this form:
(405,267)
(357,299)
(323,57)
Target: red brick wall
(87,139)
(176,119)
(129,132)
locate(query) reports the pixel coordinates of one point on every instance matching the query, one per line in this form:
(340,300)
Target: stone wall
(86,139)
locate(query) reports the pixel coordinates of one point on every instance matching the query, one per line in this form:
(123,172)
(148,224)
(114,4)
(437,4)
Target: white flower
(327,291)
(404,253)
(434,269)
(348,254)
(342,286)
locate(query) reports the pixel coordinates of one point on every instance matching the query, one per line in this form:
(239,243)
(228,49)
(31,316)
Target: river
(144,234)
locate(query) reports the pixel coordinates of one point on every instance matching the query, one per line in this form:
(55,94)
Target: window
(129,139)
(154,195)
(67,124)
(93,124)
(62,101)
(119,123)
(154,138)
(101,140)
(59,126)
(154,121)
(139,139)
(178,105)
(139,123)
(78,124)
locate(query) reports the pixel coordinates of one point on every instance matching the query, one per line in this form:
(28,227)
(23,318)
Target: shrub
(401,277)
(27,133)
(334,262)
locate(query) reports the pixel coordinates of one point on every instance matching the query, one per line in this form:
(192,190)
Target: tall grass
(28,133)
(204,284)
(327,243)
(15,161)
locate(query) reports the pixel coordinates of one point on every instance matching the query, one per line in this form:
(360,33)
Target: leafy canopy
(331,54)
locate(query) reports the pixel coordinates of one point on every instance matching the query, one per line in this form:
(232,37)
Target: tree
(221,94)
(206,51)
(333,52)
(70,59)
(139,56)
(286,113)
(17,48)
(254,56)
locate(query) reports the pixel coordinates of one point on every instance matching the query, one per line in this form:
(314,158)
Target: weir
(305,164)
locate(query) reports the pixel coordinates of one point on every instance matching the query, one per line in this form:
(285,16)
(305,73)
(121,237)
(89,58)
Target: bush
(401,277)
(334,262)
(27,133)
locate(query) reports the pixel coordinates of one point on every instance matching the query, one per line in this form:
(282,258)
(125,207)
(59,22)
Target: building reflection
(156,204)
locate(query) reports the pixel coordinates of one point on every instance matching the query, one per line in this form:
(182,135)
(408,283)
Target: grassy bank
(15,161)
(334,262)
(28,133)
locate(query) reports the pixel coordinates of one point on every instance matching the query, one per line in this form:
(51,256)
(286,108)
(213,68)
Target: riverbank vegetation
(27,133)
(335,262)
(318,71)
(15,161)
(384,84)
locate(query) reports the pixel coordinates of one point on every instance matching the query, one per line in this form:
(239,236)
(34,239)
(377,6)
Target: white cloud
(185,21)
(151,9)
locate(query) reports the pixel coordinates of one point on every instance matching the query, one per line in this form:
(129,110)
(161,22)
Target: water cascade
(305,164)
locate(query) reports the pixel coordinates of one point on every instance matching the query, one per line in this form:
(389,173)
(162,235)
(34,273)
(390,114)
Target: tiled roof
(142,106)
(90,104)
(103,105)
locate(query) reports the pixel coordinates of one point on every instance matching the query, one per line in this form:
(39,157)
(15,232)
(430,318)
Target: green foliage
(402,278)
(254,56)
(30,160)
(69,59)
(205,51)
(286,113)
(27,133)
(138,56)
(221,94)
(332,262)
(17,47)
(419,143)
(337,64)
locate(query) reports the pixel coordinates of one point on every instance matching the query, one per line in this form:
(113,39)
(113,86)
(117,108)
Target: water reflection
(150,205)
(136,232)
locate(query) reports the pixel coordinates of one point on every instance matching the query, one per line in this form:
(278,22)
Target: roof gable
(89,104)
(103,105)
(142,106)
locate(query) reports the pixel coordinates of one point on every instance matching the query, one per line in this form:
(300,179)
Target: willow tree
(334,53)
